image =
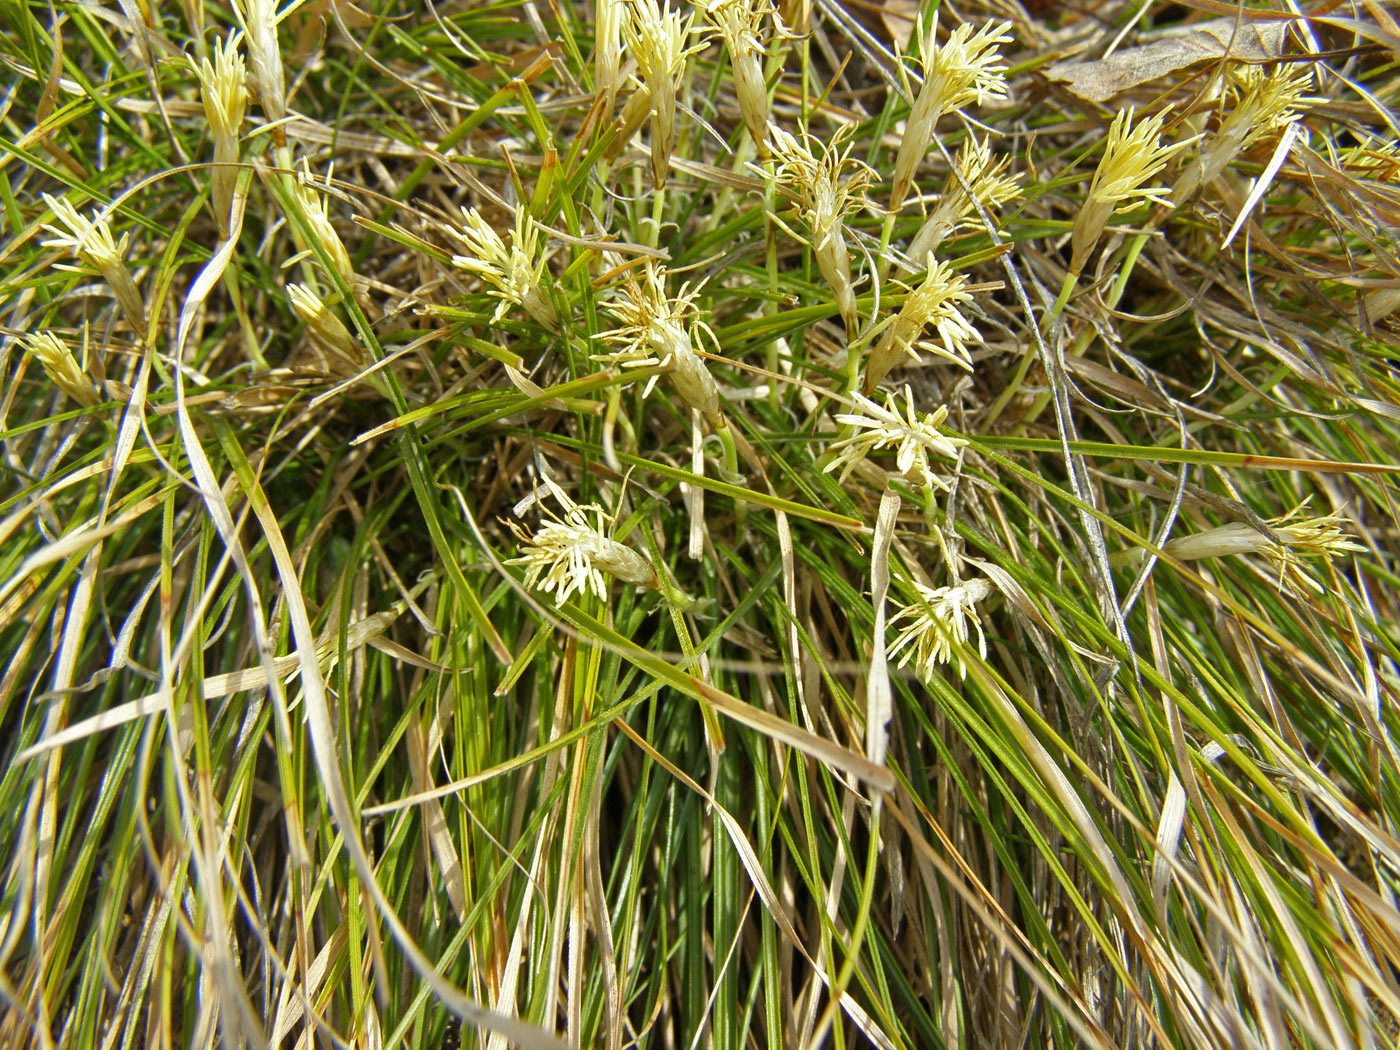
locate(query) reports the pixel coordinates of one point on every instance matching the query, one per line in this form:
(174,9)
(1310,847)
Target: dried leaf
(1101,79)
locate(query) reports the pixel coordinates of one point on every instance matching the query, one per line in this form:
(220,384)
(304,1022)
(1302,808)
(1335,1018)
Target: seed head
(936,626)
(514,274)
(223,87)
(968,69)
(259,19)
(62,368)
(991,188)
(815,176)
(656,37)
(933,303)
(913,435)
(90,241)
(655,331)
(570,554)
(326,329)
(1133,156)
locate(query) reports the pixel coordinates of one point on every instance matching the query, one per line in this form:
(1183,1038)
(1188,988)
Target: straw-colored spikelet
(656,38)
(326,330)
(569,555)
(826,188)
(655,330)
(315,210)
(90,242)
(223,87)
(516,274)
(607,49)
(740,23)
(62,367)
(913,435)
(934,302)
(1256,104)
(991,188)
(936,626)
(1322,537)
(1133,156)
(967,70)
(259,19)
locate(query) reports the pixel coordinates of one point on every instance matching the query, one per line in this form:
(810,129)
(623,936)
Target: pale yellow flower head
(223,86)
(62,367)
(259,19)
(655,331)
(826,185)
(991,185)
(90,241)
(914,437)
(934,303)
(514,273)
(937,626)
(1133,157)
(967,70)
(570,555)
(325,328)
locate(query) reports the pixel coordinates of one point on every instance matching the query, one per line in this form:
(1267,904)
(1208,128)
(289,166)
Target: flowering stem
(731,471)
(1081,346)
(1049,325)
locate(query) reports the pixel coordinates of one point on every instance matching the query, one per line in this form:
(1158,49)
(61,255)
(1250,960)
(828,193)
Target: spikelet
(223,88)
(259,20)
(1133,156)
(1256,104)
(315,211)
(1322,537)
(326,330)
(825,192)
(966,70)
(90,242)
(934,302)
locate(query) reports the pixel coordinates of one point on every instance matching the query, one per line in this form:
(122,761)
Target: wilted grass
(508,536)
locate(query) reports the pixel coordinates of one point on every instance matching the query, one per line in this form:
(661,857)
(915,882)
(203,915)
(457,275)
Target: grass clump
(662,525)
